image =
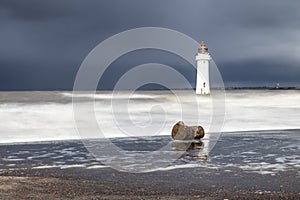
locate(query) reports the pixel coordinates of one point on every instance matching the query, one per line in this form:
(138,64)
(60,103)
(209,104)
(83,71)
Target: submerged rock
(181,131)
(190,149)
(187,145)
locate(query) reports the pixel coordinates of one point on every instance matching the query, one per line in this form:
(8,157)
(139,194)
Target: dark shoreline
(245,165)
(174,184)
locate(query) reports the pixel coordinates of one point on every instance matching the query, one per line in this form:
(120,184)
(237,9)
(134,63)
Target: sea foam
(41,117)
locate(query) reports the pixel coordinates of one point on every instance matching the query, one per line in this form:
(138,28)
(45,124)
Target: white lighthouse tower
(202,81)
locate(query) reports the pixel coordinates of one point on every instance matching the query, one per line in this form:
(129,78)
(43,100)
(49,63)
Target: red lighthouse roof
(203,49)
(203,46)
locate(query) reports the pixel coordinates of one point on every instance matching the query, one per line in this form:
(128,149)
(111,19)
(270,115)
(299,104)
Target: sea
(255,130)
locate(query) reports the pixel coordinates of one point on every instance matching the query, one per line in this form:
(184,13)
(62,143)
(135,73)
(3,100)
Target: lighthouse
(202,80)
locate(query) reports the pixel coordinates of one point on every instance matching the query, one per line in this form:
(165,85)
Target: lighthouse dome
(203,48)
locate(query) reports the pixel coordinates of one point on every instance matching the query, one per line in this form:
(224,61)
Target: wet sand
(173,184)
(252,165)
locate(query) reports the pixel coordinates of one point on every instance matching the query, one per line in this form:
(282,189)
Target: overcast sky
(43,42)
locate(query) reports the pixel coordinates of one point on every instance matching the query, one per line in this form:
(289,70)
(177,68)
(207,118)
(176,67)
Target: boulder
(181,131)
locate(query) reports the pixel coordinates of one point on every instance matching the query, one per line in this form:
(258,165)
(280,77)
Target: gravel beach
(245,165)
(174,184)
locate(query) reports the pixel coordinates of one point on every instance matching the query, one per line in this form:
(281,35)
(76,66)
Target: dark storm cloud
(259,14)
(33,9)
(42,43)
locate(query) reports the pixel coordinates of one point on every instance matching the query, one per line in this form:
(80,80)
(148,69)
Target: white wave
(110,95)
(245,110)
(64,166)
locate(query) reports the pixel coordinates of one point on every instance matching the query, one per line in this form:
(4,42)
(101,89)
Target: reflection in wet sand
(193,149)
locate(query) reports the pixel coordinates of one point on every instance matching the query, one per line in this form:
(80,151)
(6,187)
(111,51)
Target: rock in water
(181,131)
(187,145)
